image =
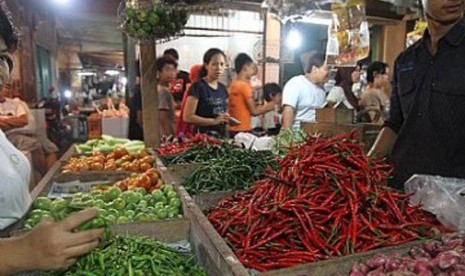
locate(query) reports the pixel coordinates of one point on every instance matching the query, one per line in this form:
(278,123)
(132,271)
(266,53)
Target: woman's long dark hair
(344,80)
(207,57)
(8,30)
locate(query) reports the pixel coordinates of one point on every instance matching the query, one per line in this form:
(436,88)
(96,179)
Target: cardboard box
(366,133)
(116,127)
(340,115)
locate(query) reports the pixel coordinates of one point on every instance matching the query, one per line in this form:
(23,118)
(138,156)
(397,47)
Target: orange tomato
(143,167)
(110,166)
(153,174)
(120,152)
(159,184)
(148,159)
(144,181)
(97,166)
(142,153)
(111,155)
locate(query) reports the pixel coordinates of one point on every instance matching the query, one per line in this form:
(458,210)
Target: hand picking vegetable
(327,199)
(439,257)
(134,256)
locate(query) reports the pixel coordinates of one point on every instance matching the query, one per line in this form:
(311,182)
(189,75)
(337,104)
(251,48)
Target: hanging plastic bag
(441,196)
(348,36)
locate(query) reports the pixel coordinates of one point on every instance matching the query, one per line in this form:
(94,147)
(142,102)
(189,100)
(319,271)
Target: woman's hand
(223,118)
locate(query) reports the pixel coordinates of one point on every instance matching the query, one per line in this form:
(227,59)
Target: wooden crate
(213,252)
(337,266)
(182,171)
(334,115)
(207,240)
(367,133)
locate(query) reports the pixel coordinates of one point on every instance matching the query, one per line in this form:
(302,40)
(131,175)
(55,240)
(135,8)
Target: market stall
(141,212)
(307,202)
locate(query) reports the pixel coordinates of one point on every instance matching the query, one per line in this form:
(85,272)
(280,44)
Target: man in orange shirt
(241,103)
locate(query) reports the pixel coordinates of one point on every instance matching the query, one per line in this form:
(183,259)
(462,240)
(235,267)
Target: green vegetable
(43,203)
(114,206)
(92,224)
(112,194)
(132,255)
(224,168)
(118,204)
(286,139)
(59,205)
(131,197)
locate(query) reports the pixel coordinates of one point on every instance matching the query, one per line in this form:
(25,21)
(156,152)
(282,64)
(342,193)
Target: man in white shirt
(303,94)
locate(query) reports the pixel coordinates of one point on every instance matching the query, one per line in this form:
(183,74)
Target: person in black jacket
(424,133)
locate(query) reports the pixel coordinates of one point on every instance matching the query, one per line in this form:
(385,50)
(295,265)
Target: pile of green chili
(201,154)
(134,256)
(236,170)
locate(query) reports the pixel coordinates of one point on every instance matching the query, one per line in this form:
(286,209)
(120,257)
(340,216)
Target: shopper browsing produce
(303,94)
(206,105)
(424,132)
(50,245)
(166,72)
(181,126)
(375,98)
(271,122)
(241,103)
(342,91)
(178,86)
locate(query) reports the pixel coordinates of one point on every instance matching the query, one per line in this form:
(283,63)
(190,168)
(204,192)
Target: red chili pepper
(327,198)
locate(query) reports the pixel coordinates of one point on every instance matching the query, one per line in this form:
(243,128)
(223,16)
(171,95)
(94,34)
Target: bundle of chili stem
(327,199)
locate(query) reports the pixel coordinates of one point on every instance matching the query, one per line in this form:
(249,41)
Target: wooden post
(394,42)
(129,64)
(149,94)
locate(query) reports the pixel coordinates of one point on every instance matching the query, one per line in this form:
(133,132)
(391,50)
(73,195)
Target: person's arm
(165,123)
(13,122)
(165,107)
(190,117)
(288,117)
(137,105)
(290,100)
(50,245)
(139,118)
(254,109)
(257,110)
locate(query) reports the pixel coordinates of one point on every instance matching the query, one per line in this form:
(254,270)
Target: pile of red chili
(183,144)
(327,199)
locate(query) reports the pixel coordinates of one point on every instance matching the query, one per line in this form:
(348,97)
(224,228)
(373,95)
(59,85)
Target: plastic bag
(249,140)
(349,35)
(441,196)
